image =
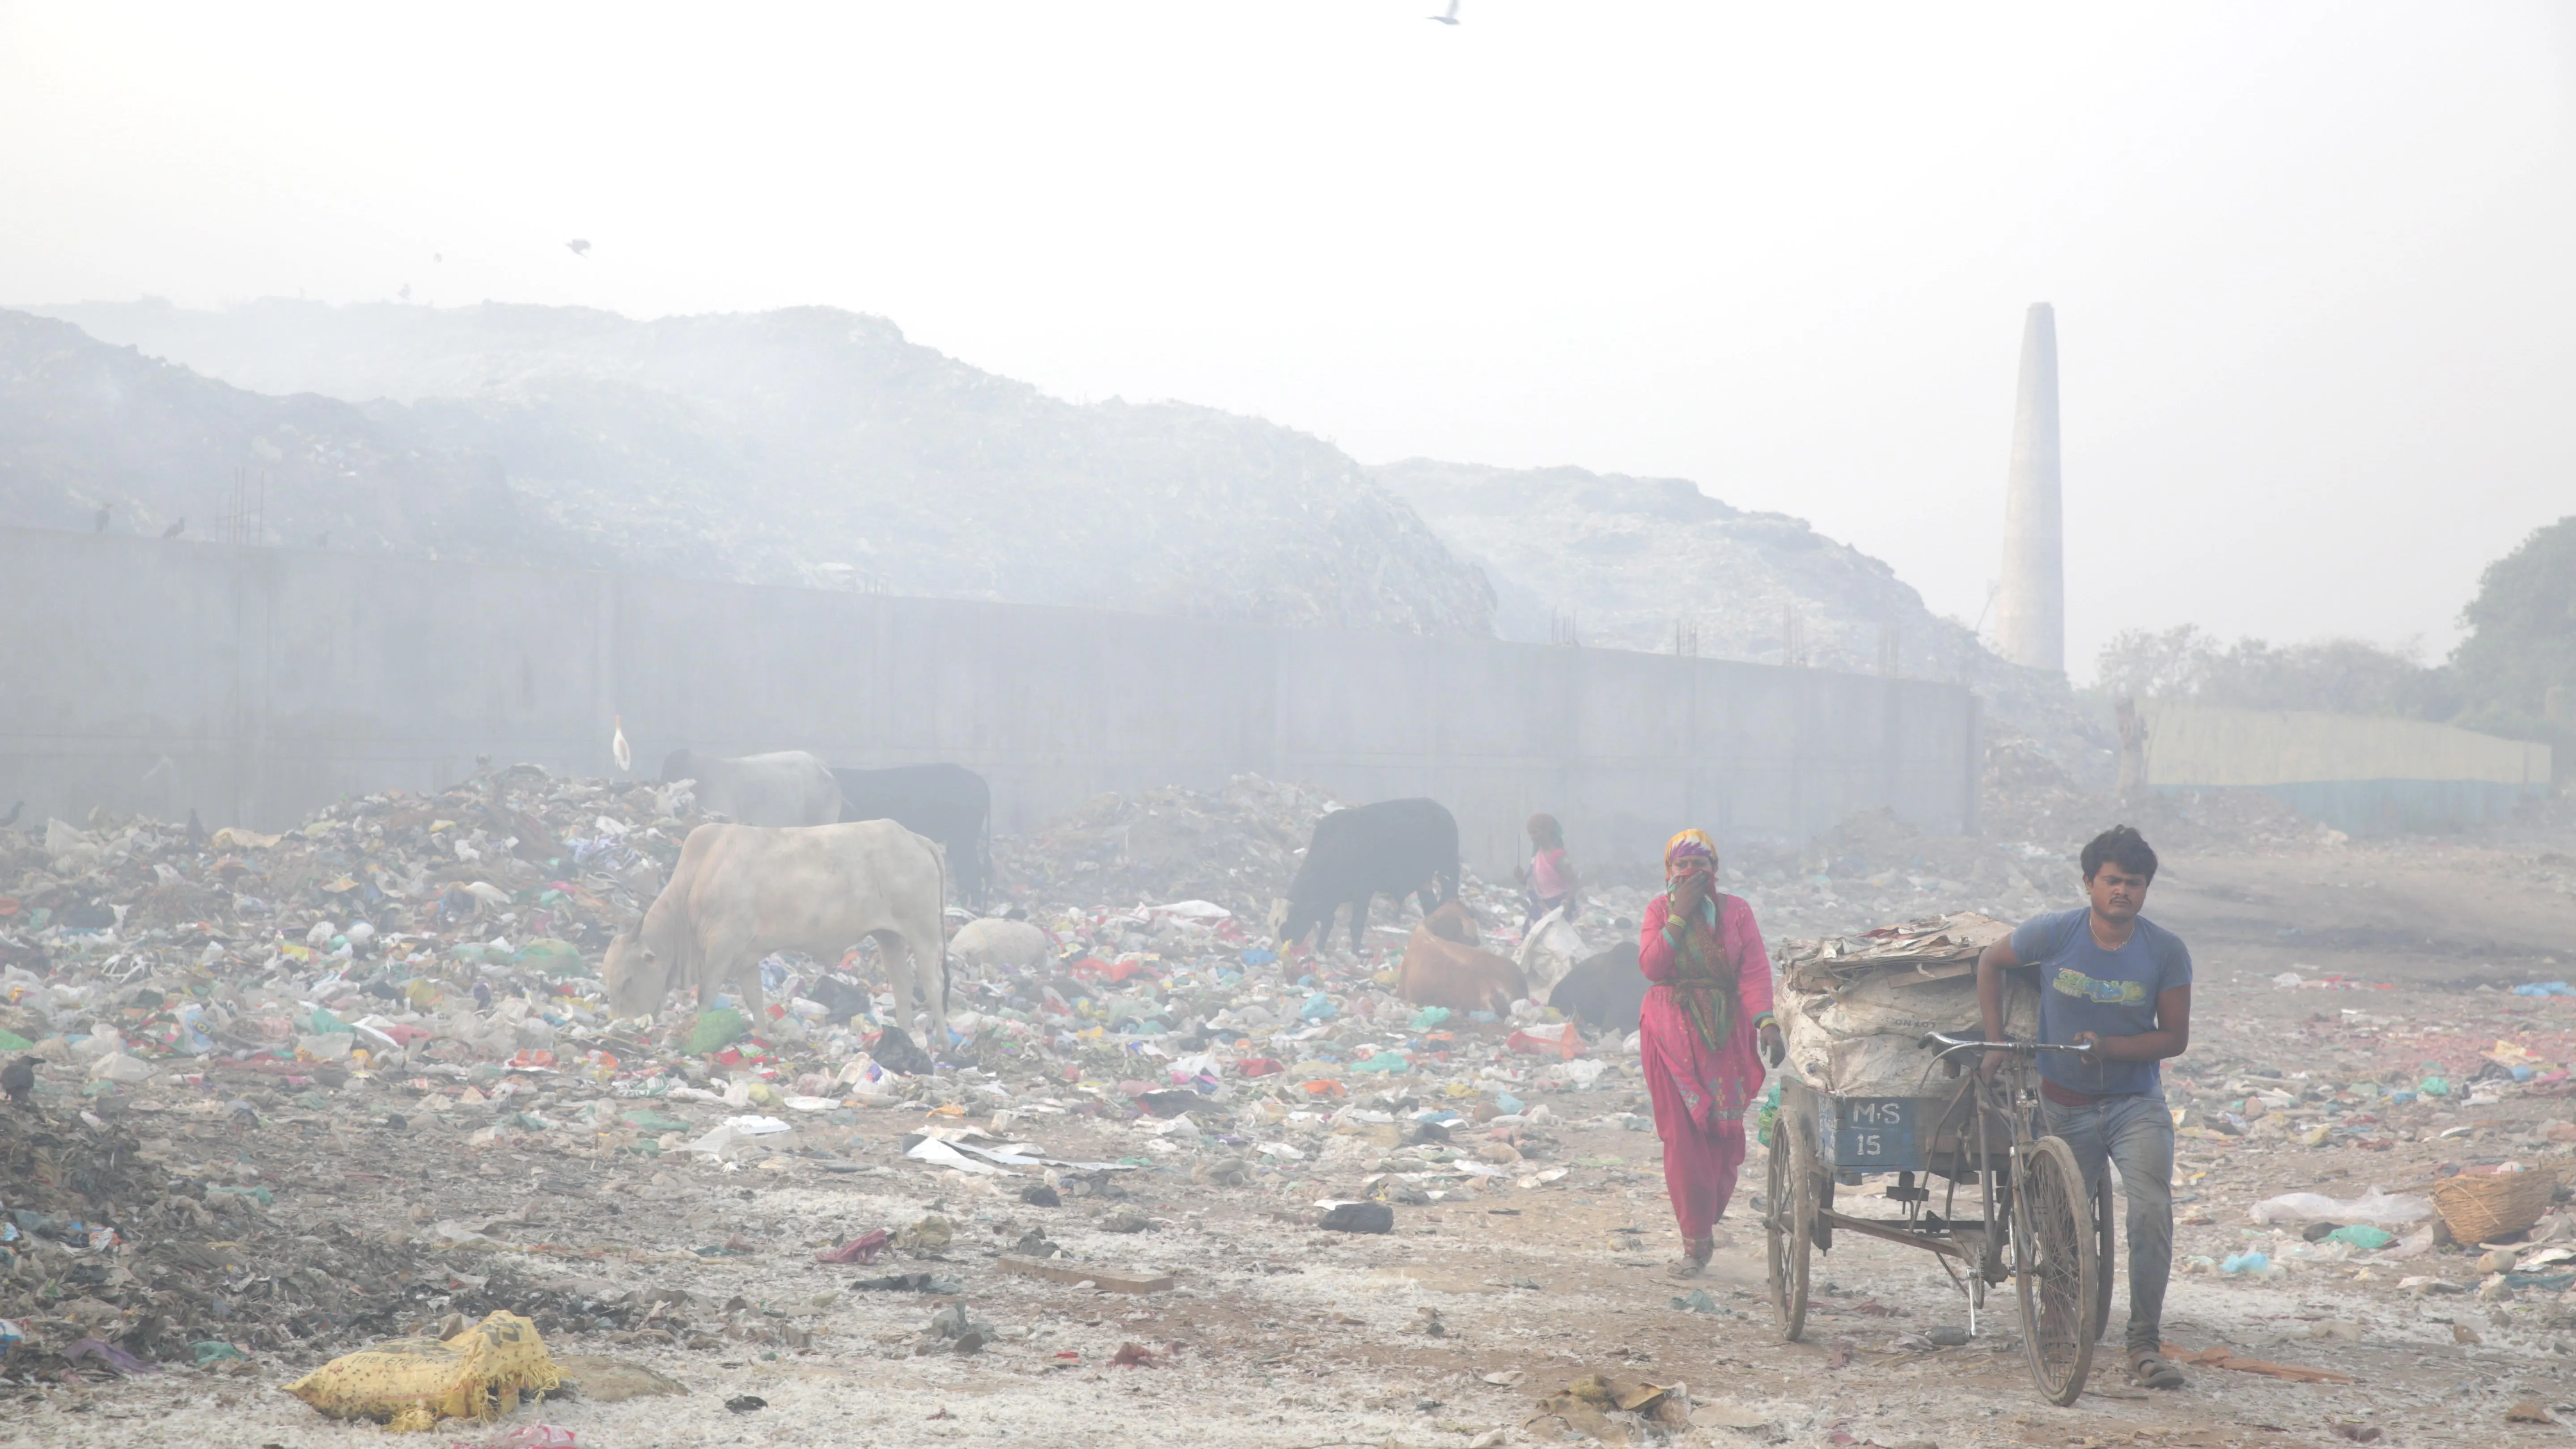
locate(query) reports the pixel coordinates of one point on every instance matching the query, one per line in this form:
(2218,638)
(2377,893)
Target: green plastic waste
(2363,1236)
(324,1023)
(1767,1112)
(649,1120)
(717,1029)
(1429,1017)
(550,957)
(214,1351)
(1382,1062)
(259,1195)
(2433,1087)
(10,1041)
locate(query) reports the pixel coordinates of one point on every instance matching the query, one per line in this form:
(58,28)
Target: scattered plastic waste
(2382,1209)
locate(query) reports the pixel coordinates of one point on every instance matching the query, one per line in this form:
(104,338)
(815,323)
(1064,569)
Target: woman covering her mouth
(1705,1031)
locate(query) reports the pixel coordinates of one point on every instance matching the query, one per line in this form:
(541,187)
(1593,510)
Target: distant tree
(2152,664)
(2336,676)
(2522,633)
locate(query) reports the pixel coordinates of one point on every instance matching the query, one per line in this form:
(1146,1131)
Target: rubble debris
(1358,1217)
(1107,1280)
(604,1380)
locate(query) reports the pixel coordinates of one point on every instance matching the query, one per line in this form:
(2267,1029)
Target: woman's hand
(1774,1050)
(1690,888)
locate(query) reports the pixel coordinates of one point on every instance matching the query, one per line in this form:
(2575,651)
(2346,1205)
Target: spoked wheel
(2055,1269)
(2103,1246)
(1788,1225)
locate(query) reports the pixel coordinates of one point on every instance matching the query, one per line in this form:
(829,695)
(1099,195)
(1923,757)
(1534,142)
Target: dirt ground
(1457,1323)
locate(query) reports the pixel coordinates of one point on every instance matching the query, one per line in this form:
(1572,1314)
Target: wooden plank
(1057,1270)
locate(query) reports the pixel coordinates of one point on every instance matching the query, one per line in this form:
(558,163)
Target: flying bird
(102,521)
(617,749)
(1449,19)
(174,530)
(581,245)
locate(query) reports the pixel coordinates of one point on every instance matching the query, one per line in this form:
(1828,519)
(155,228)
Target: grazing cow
(790,787)
(1390,848)
(993,941)
(1606,992)
(1441,970)
(949,803)
(741,892)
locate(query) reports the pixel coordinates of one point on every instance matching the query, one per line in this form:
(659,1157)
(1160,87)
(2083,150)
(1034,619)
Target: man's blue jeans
(2135,1133)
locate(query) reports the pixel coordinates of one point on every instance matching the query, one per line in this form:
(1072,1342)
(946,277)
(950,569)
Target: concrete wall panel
(257,684)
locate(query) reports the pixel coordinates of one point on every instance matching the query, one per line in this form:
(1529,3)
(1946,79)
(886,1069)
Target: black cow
(1605,991)
(1389,848)
(948,803)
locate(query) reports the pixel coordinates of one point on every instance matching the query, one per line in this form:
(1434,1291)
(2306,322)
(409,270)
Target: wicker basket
(2496,1205)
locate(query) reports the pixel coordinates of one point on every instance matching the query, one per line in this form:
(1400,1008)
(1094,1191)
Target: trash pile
(227,1034)
(1854,1009)
(1236,847)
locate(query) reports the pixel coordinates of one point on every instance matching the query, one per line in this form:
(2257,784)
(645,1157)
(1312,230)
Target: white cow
(741,892)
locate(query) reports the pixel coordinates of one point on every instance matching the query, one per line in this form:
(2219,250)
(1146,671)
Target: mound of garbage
(1237,846)
(806,446)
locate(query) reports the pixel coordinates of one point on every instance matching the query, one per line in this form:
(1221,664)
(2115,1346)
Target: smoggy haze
(2307,261)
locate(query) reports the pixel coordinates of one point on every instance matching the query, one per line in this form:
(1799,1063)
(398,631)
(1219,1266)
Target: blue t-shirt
(2109,993)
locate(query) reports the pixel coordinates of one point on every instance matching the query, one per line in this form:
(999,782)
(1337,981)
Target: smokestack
(2030,613)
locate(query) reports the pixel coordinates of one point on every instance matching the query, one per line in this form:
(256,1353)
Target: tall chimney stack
(2030,612)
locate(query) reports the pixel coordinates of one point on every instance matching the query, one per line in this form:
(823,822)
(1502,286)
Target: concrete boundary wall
(2356,774)
(255,684)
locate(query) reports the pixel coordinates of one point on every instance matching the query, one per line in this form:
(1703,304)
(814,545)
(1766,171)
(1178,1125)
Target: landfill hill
(84,425)
(1656,564)
(817,447)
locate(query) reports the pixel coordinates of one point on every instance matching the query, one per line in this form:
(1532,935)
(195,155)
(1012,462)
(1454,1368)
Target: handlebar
(1944,1046)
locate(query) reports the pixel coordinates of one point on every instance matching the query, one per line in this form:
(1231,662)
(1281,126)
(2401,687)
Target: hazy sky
(2311,262)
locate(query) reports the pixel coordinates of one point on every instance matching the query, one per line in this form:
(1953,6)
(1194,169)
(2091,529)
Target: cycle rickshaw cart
(2010,1204)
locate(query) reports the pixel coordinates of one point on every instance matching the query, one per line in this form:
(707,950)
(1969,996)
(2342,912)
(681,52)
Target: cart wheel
(2103,1248)
(2055,1267)
(1789,1224)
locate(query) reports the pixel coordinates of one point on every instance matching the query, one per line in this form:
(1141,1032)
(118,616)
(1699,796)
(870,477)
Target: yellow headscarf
(1704,980)
(1688,844)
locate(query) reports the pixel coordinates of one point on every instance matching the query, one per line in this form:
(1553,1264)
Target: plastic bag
(2382,1209)
(1559,1040)
(412,1383)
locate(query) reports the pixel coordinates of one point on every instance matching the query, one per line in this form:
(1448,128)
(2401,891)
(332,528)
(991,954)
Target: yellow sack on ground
(412,1383)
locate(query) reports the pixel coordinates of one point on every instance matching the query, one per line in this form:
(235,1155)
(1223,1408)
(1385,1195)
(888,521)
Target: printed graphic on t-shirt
(2071,982)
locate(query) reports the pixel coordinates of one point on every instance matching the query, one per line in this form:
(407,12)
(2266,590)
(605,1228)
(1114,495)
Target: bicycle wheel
(2103,1248)
(1789,1223)
(2055,1269)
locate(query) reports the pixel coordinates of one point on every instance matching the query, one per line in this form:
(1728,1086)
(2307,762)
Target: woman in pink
(1550,878)
(1705,1030)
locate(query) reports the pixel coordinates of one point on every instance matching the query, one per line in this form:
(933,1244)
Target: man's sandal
(2151,1370)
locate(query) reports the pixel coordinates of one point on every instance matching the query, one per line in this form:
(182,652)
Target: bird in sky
(1449,19)
(174,530)
(617,746)
(581,245)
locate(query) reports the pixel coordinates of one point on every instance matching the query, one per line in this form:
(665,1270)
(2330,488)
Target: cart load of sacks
(1854,1008)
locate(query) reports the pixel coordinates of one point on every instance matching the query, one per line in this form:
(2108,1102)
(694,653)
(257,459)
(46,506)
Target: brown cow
(741,892)
(1442,968)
